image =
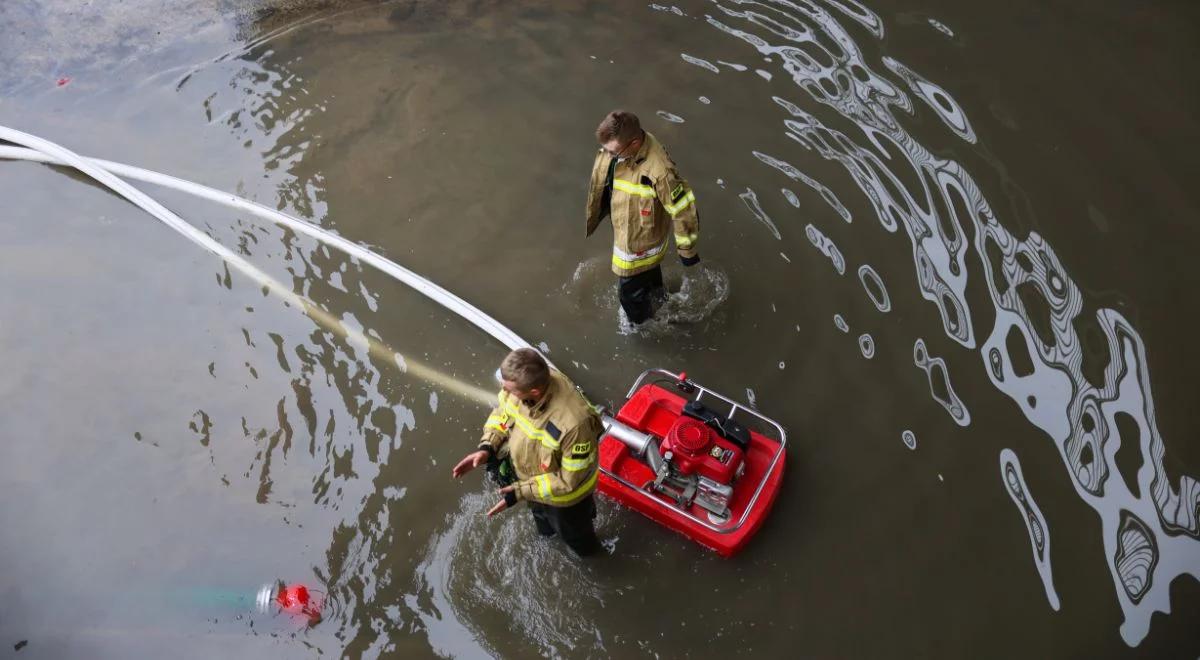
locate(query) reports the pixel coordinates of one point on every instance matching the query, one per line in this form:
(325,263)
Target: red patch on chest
(645,212)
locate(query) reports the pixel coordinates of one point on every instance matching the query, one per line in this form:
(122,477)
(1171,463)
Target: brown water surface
(945,244)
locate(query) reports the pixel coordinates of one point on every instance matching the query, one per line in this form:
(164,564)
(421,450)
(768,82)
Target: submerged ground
(947,246)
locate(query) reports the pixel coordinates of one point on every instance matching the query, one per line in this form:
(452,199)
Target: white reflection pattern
(1150,526)
(827,248)
(1035,522)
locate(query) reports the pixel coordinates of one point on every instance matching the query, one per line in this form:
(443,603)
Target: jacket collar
(644,151)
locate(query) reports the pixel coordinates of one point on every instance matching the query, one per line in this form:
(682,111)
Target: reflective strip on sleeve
(583,489)
(685,242)
(497,422)
(543,485)
(577,464)
(683,203)
(623,259)
(633,188)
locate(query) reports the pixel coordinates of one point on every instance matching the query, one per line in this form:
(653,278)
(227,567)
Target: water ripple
(1035,522)
(939,383)
(936,98)
(826,246)
(1033,353)
(750,199)
(702,63)
(793,173)
(866,344)
(874,287)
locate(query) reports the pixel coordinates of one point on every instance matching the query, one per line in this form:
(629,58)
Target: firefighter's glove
(690,261)
(510,499)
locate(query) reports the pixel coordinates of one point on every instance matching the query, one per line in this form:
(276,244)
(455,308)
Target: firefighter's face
(618,150)
(533,393)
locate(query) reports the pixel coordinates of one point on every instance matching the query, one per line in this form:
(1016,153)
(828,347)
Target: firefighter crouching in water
(541,444)
(634,181)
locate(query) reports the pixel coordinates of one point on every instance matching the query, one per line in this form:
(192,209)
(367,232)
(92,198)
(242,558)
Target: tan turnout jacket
(650,202)
(553,444)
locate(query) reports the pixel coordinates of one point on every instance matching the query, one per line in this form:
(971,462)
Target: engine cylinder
(698,450)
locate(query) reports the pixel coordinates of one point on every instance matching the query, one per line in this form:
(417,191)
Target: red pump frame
(652,407)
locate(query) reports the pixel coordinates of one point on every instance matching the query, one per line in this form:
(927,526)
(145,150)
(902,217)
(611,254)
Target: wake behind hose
(104,172)
(40,150)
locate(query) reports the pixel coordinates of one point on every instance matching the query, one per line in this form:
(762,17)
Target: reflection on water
(671,117)
(873,285)
(936,98)
(792,172)
(839,322)
(1149,524)
(939,383)
(473,568)
(826,246)
(347,118)
(1035,522)
(449,635)
(750,199)
(866,344)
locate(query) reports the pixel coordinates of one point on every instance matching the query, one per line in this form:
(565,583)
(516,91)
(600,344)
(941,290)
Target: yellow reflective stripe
(627,256)
(529,429)
(633,188)
(622,259)
(682,241)
(683,204)
(543,484)
(497,422)
(576,464)
(578,492)
(630,265)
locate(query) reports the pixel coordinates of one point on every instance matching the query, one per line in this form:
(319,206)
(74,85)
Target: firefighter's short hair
(526,368)
(619,124)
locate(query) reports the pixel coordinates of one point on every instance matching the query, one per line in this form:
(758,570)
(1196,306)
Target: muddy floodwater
(949,246)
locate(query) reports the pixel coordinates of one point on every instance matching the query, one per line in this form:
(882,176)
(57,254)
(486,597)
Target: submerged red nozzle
(293,599)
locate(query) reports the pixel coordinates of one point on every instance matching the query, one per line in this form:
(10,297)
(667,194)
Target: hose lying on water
(105,173)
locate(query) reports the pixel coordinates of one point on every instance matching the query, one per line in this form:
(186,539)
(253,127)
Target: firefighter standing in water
(634,181)
(541,444)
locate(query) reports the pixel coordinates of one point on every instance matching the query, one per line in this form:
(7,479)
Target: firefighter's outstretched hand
(469,462)
(504,500)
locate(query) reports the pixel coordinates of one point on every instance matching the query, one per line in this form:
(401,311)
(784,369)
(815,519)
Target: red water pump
(693,460)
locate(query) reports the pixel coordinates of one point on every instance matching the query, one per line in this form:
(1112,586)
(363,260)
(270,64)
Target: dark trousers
(572,523)
(639,292)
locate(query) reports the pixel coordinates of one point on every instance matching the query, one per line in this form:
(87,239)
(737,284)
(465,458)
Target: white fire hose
(106,173)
